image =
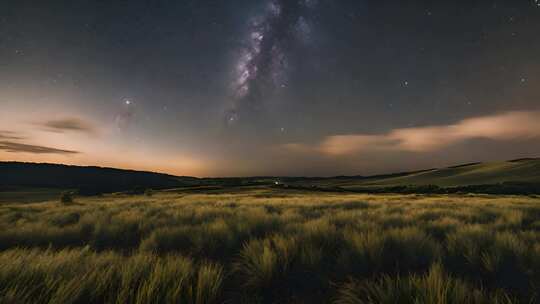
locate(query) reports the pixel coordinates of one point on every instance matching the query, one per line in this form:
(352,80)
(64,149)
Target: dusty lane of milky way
(263,64)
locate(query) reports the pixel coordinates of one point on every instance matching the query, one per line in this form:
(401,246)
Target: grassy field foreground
(263,246)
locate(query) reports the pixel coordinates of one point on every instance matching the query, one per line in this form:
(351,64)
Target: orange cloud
(506,126)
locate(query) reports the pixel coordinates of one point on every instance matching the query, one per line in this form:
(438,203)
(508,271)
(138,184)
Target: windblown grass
(436,287)
(260,246)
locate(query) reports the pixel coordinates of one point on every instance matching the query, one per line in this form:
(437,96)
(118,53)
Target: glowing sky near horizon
(269,87)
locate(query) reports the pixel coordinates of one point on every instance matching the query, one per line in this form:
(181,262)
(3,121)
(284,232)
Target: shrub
(66,197)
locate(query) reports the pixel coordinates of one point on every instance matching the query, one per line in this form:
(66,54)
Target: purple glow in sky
(263,65)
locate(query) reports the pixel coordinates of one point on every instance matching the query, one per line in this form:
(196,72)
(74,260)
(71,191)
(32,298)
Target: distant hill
(88,180)
(523,170)
(519,177)
(520,171)
(95,180)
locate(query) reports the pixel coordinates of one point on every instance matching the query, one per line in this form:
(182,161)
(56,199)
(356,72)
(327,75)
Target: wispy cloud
(10,135)
(506,126)
(14,147)
(70,124)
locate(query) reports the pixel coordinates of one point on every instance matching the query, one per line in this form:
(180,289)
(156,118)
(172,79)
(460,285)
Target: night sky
(269,87)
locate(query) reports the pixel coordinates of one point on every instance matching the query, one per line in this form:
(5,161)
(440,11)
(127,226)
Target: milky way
(269,87)
(263,65)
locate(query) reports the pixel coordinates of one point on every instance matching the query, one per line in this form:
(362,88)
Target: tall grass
(82,276)
(260,246)
(436,287)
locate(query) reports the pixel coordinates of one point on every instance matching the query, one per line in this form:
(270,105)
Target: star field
(207,88)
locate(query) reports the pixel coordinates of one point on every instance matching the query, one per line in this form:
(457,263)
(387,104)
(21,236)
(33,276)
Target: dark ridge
(88,180)
(464,165)
(524,159)
(399,174)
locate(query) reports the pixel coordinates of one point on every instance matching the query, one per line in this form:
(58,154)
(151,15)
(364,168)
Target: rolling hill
(522,170)
(96,180)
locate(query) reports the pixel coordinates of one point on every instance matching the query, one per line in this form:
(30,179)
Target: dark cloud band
(14,147)
(9,135)
(68,125)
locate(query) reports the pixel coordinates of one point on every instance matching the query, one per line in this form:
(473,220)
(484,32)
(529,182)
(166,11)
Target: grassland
(263,245)
(522,171)
(29,194)
(526,170)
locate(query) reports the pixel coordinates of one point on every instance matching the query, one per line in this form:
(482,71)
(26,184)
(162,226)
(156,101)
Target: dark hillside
(89,180)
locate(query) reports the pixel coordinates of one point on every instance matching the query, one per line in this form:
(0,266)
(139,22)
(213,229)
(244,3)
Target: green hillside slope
(526,170)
